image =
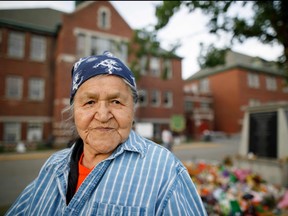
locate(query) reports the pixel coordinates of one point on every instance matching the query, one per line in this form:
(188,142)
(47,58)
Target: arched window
(104,18)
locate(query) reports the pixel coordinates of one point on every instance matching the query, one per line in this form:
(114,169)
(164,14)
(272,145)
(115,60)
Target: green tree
(269,23)
(146,43)
(211,56)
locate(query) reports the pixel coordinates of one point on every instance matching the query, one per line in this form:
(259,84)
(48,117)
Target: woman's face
(103,113)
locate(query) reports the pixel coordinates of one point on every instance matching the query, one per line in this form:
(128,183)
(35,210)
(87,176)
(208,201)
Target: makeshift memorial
(227,190)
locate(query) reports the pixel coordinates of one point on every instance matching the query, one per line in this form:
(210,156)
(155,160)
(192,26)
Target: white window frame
(16,44)
(155,98)
(254,102)
(189,106)
(38,47)
(169,96)
(143,94)
(155,66)
(34,131)
(12,129)
(143,65)
(36,89)
(271,83)
(103,44)
(204,85)
(14,87)
(253,80)
(168,65)
(104,22)
(81,45)
(94,46)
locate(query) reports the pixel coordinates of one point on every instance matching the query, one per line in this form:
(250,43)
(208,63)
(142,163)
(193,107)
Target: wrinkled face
(103,113)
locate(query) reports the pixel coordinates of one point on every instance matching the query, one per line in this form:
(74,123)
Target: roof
(238,60)
(38,19)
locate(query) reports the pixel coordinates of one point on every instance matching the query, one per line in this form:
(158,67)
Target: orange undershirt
(83,172)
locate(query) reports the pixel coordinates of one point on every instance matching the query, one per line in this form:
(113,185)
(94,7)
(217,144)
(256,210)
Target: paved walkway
(46,153)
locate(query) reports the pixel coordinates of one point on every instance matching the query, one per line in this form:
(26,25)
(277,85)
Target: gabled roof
(39,19)
(238,60)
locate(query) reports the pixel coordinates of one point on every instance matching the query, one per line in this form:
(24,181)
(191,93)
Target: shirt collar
(134,143)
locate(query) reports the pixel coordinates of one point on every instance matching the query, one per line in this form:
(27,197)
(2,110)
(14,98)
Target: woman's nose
(103,112)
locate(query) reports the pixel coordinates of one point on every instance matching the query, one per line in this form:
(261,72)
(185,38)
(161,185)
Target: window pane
(16,45)
(155,66)
(253,80)
(103,45)
(167,70)
(81,44)
(36,89)
(168,99)
(271,83)
(155,98)
(204,86)
(14,87)
(104,18)
(35,132)
(12,132)
(142,98)
(93,46)
(38,48)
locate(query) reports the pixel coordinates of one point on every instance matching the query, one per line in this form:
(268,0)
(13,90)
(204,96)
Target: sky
(187,28)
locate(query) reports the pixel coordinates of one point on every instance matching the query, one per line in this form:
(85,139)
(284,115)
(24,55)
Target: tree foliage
(145,43)
(211,56)
(269,23)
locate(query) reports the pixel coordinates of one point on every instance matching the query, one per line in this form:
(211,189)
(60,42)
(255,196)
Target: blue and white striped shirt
(139,178)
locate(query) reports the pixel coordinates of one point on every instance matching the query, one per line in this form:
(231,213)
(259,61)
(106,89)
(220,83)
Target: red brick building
(242,81)
(37,50)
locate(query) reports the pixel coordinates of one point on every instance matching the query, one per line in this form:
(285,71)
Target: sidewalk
(26,156)
(46,153)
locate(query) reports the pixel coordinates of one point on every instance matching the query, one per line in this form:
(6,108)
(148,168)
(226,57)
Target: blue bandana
(91,66)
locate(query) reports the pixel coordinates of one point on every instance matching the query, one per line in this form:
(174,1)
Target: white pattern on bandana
(76,81)
(109,64)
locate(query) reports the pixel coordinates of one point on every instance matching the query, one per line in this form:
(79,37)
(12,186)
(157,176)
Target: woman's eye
(90,102)
(116,102)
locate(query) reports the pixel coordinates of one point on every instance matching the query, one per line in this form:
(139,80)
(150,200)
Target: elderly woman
(110,169)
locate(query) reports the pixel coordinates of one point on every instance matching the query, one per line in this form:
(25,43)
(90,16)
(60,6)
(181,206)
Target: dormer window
(104,18)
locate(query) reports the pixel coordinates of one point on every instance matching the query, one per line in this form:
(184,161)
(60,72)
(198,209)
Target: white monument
(264,142)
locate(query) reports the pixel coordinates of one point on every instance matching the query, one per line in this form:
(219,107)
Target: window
(121,51)
(188,106)
(36,89)
(204,105)
(38,48)
(14,85)
(254,102)
(192,88)
(16,45)
(104,18)
(34,132)
(155,98)
(12,131)
(155,66)
(143,65)
(142,98)
(103,45)
(168,99)
(253,80)
(167,73)
(81,45)
(93,46)
(204,86)
(271,83)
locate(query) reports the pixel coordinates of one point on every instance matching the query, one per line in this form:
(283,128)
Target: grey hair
(68,111)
